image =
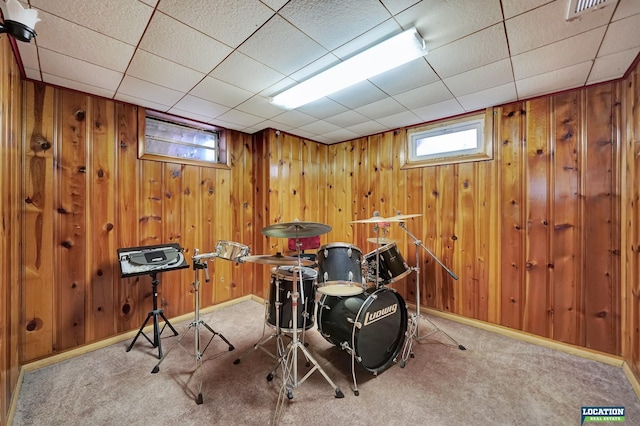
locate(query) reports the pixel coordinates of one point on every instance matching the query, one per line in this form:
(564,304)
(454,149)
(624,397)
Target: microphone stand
(413,332)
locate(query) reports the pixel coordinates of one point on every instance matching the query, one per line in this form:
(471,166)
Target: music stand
(152,260)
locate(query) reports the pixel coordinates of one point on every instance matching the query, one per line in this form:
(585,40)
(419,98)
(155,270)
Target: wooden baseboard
(602,357)
(633,380)
(14,398)
(121,337)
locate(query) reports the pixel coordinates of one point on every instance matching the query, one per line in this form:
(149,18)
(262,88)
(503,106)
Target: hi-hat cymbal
(381,241)
(402,217)
(276,259)
(296,229)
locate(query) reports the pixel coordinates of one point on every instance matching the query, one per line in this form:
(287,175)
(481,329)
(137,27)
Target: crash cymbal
(296,229)
(276,259)
(401,217)
(381,241)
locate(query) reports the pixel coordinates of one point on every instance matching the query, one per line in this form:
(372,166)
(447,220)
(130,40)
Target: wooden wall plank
(511,205)
(70,222)
(536,309)
(600,306)
(101,303)
(567,253)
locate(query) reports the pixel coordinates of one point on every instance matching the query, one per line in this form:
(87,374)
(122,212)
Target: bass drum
(383,316)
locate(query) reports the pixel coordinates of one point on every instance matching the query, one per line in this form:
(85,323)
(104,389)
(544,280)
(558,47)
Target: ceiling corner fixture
(19,22)
(389,54)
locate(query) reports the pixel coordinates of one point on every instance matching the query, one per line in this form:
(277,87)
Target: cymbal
(296,229)
(374,219)
(381,241)
(402,217)
(276,259)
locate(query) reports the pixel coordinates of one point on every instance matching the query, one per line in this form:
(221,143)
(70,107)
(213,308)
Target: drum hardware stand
(413,332)
(277,333)
(289,360)
(199,262)
(154,313)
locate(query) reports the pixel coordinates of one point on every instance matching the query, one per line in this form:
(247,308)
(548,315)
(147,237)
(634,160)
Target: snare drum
(392,265)
(231,251)
(340,270)
(306,280)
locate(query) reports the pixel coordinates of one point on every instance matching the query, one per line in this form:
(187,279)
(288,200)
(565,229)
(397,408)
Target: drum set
(356,309)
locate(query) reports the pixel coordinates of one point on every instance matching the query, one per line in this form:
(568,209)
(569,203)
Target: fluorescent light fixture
(389,54)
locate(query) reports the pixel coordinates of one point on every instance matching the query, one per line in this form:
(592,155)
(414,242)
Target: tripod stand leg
(437,330)
(149,315)
(157,366)
(215,333)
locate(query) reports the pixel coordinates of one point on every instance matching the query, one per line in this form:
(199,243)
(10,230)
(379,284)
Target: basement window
(450,141)
(181,141)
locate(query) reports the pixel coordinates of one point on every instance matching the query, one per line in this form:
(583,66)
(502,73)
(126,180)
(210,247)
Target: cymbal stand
(289,361)
(199,262)
(413,331)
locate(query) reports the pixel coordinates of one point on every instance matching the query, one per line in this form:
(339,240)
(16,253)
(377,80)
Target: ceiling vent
(577,8)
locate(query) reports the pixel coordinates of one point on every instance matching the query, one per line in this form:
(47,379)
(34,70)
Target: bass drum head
(383,316)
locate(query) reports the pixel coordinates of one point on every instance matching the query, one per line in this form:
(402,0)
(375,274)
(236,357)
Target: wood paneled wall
(535,235)
(10,215)
(87,194)
(631,222)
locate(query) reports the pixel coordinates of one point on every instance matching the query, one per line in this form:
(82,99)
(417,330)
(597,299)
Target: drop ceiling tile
(124,20)
(229,21)
(32,74)
(443,21)
(340,135)
(425,95)
(622,35)
(55,34)
(492,75)
(293,118)
(226,124)
(612,67)
(319,127)
(79,86)
(367,128)
(275,4)
(547,24)
(141,89)
(347,118)
(564,53)
(270,124)
(397,6)
(154,69)
(72,69)
(29,55)
(281,46)
(141,102)
(409,76)
(402,119)
(151,3)
(200,106)
(626,8)
(334,23)
(375,35)
(494,96)
(358,95)
(182,44)
(382,108)
(242,71)
(476,50)
(322,108)
(304,134)
(259,106)
(516,7)
(189,114)
(555,81)
(220,92)
(448,108)
(240,118)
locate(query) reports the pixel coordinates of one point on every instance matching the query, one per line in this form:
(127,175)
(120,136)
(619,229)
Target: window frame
(223,157)
(484,152)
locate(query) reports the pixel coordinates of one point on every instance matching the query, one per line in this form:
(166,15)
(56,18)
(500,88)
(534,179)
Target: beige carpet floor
(496,381)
